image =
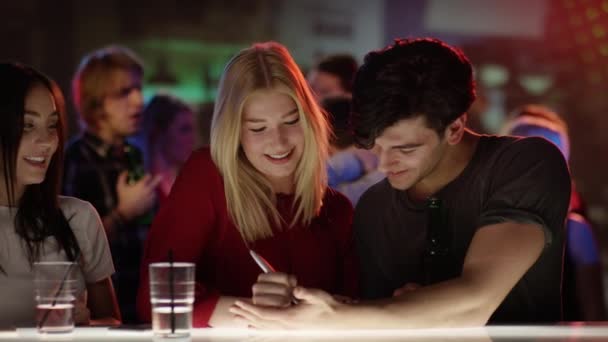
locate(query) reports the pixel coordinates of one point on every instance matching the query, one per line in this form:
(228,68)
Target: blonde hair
(249,196)
(95,74)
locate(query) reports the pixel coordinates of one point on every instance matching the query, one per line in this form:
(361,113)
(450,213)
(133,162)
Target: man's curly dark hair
(412,77)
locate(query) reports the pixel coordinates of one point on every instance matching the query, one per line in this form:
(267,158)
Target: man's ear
(454,132)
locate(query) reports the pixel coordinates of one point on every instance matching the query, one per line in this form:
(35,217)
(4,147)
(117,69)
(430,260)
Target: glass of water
(172,297)
(54,291)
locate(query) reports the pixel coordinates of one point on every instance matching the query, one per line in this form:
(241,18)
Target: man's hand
(314,309)
(137,198)
(274,290)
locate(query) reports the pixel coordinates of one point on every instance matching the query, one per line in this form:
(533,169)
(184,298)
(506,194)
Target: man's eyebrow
(406,146)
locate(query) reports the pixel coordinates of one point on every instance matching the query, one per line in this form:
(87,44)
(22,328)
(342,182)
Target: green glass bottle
(437,242)
(135,172)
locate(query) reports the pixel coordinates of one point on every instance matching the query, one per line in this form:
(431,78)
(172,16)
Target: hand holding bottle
(135,198)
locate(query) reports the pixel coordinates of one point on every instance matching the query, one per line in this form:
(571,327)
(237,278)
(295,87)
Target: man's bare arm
(498,256)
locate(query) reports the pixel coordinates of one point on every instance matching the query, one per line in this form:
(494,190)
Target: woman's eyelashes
(257,130)
(289,123)
(30,126)
(293,122)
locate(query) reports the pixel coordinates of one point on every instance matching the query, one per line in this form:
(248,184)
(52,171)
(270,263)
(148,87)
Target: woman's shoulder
(79,214)
(74,206)
(197,177)
(202,156)
(336,203)
(200,161)
(337,214)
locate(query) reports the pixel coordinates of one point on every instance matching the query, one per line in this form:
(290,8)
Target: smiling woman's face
(272,136)
(40,137)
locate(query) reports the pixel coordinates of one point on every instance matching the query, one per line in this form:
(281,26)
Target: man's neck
(453,163)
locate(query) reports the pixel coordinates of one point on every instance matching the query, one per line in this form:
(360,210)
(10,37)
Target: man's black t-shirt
(507,179)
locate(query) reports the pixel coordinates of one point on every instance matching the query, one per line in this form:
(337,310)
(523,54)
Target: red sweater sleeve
(183,225)
(341,215)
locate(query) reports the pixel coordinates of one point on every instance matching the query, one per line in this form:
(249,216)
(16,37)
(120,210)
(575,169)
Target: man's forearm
(498,257)
(454,303)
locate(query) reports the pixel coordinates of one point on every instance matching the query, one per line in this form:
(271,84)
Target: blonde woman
(261,186)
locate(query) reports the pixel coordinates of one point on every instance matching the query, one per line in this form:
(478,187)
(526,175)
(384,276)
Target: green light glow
(195,66)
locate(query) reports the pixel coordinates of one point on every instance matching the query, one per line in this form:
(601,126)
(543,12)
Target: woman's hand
(82,315)
(274,289)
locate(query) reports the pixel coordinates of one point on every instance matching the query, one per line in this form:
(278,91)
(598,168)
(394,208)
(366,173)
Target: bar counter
(569,332)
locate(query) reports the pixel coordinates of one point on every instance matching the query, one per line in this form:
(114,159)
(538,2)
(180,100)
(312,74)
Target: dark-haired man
(506,199)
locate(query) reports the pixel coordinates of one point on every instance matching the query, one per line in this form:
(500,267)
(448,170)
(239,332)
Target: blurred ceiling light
(576,20)
(594,77)
(588,56)
(493,75)
(599,31)
(581,38)
(592,13)
(536,84)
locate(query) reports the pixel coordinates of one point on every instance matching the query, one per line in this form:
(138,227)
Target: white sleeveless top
(17,305)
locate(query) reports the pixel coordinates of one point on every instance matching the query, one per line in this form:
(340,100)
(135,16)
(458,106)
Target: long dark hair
(38,215)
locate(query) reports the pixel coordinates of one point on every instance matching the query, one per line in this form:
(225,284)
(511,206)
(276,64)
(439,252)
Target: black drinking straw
(56,296)
(171,291)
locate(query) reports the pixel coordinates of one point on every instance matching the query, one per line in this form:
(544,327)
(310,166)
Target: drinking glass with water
(172,298)
(54,291)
